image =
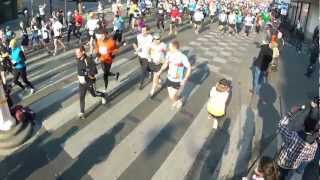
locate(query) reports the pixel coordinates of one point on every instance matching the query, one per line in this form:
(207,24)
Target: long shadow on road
(22,164)
(209,157)
(96,152)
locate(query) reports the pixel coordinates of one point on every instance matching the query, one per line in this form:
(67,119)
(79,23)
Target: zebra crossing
(148,140)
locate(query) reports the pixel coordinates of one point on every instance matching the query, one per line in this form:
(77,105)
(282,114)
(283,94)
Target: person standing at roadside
(298,147)
(261,67)
(106,49)
(314,56)
(86,75)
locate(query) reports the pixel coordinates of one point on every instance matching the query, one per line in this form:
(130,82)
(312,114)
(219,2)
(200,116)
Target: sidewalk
(294,89)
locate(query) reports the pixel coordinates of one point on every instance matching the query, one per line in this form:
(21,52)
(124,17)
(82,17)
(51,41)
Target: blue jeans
(293,174)
(259,79)
(317,157)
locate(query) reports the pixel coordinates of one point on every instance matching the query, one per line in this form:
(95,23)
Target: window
(304,15)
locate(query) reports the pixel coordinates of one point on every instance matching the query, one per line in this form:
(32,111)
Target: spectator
(266,170)
(299,147)
(261,65)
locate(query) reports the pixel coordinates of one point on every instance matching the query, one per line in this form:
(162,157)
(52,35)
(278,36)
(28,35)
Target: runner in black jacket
(86,75)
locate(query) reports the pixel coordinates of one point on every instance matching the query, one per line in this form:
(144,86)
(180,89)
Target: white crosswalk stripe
(128,150)
(185,152)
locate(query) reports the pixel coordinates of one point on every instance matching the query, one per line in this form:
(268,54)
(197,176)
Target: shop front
(306,13)
(8,10)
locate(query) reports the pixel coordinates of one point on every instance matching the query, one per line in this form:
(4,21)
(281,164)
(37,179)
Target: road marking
(129,149)
(181,159)
(194,43)
(59,119)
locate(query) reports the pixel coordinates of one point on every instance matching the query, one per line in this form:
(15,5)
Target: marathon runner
(157,57)
(106,48)
(86,76)
(92,26)
(57,35)
(179,71)
(142,47)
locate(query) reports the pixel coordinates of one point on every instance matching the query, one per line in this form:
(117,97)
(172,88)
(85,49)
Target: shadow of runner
(93,154)
(22,164)
(209,157)
(245,144)
(268,113)
(197,77)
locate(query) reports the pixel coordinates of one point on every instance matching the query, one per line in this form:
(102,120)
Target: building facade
(8,10)
(307,13)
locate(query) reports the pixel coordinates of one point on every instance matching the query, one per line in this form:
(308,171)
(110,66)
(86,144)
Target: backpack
(22,114)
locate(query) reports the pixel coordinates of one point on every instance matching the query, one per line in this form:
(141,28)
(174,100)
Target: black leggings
(118,36)
(23,73)
(130,19)
(89,86)
(106,73)
(160,23)
(74,30)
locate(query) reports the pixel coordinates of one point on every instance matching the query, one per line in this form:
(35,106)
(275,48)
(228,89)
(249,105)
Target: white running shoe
(179,105)
(81,115)
(32,90)
(214,123)
(103,101)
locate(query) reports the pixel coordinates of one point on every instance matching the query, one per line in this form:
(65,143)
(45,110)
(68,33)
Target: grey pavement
(135,137)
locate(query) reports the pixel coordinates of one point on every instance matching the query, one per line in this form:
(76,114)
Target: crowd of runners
(101,38)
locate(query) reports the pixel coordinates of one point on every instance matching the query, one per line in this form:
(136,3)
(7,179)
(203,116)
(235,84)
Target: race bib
(103,50)
(176,71)
(45,35)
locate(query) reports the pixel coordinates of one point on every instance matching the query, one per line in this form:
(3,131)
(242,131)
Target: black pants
(89,86)
(247,30)
(144,68)
(130,19)
(160,23)
(23,73)
(258,29)
(118,36)
(72,29)
(238,26)
(312,65)
(106,73)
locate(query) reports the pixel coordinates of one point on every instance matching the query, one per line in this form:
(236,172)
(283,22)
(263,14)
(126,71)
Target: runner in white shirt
(213,10)
(248,23)
(92,25)
(42,11)
(232,22)
(198,18)
(223,21)
(142,47)
(117,8)
(57,35)
(157,58)
(178,73)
